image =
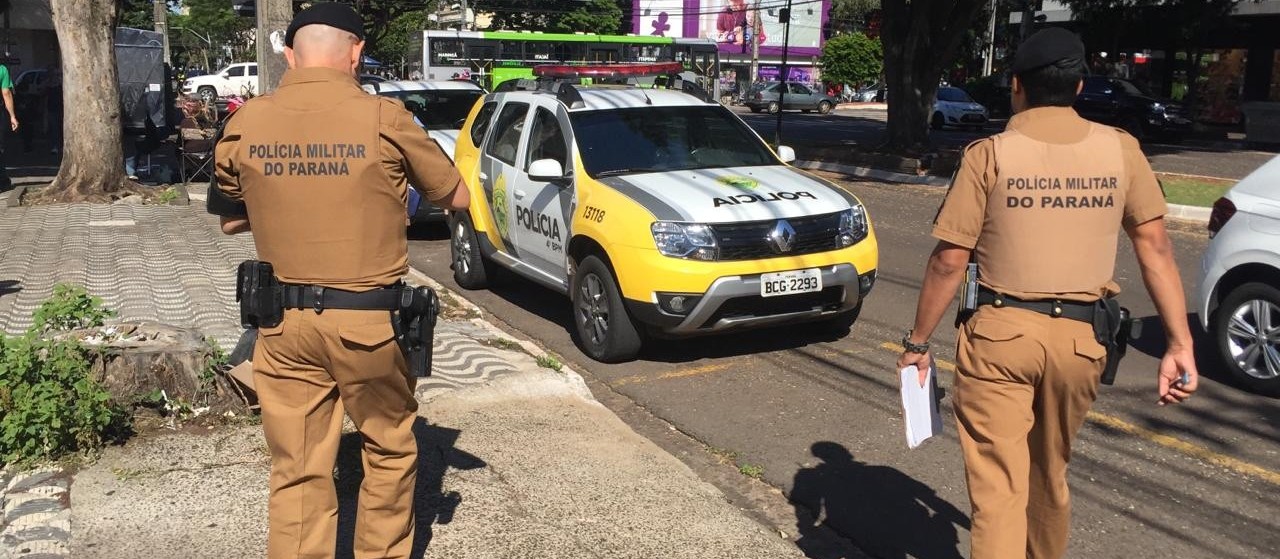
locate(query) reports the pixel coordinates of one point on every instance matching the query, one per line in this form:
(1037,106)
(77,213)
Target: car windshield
(438,109)
(657,139)
(1132,88)
(954,95)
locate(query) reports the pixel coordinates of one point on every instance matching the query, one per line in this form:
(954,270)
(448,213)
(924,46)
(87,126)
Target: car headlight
(853,226)
(685,240)
(1157,108)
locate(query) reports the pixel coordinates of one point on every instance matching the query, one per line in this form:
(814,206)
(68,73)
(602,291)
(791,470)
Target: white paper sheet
(919,406)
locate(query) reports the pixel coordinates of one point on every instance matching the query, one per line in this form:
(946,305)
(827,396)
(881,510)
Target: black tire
(824,107)
(207,94)
(937,121)
(604,330)
(806,111)
(470,267)
(1234,329)
(774,108)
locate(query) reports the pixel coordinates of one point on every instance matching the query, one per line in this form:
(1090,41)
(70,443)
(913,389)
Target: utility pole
(160,13)
(782,78)
(466,25)
(756,25)
(991,42)
(273,20)
(1028,19)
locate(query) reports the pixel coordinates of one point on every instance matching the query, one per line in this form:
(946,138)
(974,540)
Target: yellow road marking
(1173,443)
(678,373)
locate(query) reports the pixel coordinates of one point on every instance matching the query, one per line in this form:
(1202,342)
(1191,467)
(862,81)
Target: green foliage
(848,16)
(137,14)
(166,196)
(398,40)
(852,58)
(592,16)
(69,308)
(550,362)
(217,362)
(50,405)
(751,470)
(213,20)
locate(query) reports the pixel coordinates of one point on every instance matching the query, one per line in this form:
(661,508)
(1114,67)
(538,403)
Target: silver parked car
(797,97)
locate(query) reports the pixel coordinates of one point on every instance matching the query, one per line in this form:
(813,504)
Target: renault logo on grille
(783,236)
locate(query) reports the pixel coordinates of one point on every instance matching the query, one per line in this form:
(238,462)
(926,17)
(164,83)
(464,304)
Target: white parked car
(1239,294)
(236,79)
(439,107)
(954,107)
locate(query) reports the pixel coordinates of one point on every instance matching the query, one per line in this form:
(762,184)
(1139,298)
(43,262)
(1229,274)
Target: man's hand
(1176,362)
(13,123)
(922,361)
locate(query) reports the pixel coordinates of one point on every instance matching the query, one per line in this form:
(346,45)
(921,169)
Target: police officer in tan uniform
(321,167)
(1040,208)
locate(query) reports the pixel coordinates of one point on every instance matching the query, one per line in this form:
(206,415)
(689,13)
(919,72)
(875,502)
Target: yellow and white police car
(655,211)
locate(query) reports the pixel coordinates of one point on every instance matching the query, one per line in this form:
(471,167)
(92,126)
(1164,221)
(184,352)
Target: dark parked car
(1124,104)
(798,96)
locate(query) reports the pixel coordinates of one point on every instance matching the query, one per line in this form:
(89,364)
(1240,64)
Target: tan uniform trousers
(1024,383)
(308,371)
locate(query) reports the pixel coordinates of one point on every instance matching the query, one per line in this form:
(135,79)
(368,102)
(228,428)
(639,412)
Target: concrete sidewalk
(518,460)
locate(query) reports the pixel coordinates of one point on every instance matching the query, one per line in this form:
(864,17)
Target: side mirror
(546,170)
(786,154)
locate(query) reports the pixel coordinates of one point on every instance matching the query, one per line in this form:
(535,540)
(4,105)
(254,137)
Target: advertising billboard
(736,24)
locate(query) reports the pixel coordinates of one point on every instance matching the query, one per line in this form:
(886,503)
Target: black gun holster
(415,326)
(259,294)
(1113,328)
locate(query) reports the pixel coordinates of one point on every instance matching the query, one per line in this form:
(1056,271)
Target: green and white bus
(492,57)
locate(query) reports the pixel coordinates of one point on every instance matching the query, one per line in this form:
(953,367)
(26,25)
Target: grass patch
(751,470)
(724,455)
(1193,191)
(550,362)
(503,343)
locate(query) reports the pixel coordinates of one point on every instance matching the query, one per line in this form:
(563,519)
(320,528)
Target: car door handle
(519,194)
(484,177)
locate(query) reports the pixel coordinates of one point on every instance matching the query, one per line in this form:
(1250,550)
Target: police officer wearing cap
(1040,207)
(317,170)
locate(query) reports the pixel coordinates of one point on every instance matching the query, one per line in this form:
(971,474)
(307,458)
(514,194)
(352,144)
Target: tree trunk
(93,153)
(921,39)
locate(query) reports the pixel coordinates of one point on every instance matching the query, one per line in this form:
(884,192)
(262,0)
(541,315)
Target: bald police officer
(1040,207)
(320,168)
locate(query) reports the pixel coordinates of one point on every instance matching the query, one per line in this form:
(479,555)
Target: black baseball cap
(333,14)
(1054,45)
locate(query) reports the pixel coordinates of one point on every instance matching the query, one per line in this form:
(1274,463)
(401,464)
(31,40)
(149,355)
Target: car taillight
(1223,209)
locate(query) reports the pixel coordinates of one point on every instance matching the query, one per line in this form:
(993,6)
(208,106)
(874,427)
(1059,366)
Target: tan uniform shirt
(321,167)
(1041,204)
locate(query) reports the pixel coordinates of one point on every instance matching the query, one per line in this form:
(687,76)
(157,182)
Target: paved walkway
(518,460)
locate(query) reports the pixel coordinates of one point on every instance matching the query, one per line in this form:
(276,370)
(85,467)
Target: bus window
(446,52)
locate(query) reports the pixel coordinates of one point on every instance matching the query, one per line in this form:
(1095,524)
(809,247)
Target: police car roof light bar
(627,70)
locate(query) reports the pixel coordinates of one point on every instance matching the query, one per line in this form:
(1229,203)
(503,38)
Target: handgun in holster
(968,294)
(259,294)
(415,327)
(1113,327)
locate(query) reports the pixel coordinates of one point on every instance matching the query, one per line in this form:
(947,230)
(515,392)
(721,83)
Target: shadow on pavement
(1208,362)
(431,503)
(885,512)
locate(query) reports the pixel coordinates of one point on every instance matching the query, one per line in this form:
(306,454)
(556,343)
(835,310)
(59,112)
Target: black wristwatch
(910,347)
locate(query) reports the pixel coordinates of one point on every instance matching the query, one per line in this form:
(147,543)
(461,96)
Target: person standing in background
(6,91)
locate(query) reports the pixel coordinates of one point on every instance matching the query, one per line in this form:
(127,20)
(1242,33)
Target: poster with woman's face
(735,24)
(728,21)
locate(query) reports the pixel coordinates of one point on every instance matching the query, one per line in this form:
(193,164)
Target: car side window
(507,131)
(235,71)
(546,140)
(253,70)
(799,89)
(481,125)
(1096,87)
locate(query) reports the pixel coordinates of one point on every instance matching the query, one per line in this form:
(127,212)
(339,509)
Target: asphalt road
(820,415)
(866,127)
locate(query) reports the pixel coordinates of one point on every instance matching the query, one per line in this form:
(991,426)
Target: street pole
(273,19)
(160,14)
(991,42)
(1028,19)
(782,78)
(756,25)
(466,25)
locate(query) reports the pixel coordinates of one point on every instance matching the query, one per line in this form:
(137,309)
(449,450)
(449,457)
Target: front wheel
(774,108)
(470,268)
(1246,329)
(605,331)
(207,94)
(824,107)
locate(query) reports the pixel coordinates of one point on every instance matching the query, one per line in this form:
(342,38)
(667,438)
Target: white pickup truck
(235,79)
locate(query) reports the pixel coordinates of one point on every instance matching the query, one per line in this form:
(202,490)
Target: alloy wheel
(593,308)
(462,248)
(1253,338)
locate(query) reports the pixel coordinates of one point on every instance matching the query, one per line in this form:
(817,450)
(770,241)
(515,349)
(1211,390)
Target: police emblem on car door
(499,172)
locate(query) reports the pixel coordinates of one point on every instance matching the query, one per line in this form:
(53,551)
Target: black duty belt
(321,298)
(1074,310)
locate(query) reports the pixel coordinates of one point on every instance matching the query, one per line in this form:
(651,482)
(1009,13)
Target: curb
(1177,211)
(577,385)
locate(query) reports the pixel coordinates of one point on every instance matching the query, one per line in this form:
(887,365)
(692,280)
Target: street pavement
(820,415)
(866,128)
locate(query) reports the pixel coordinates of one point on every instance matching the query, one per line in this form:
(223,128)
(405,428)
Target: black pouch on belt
(1111,328)
(259,294)
(415,327)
